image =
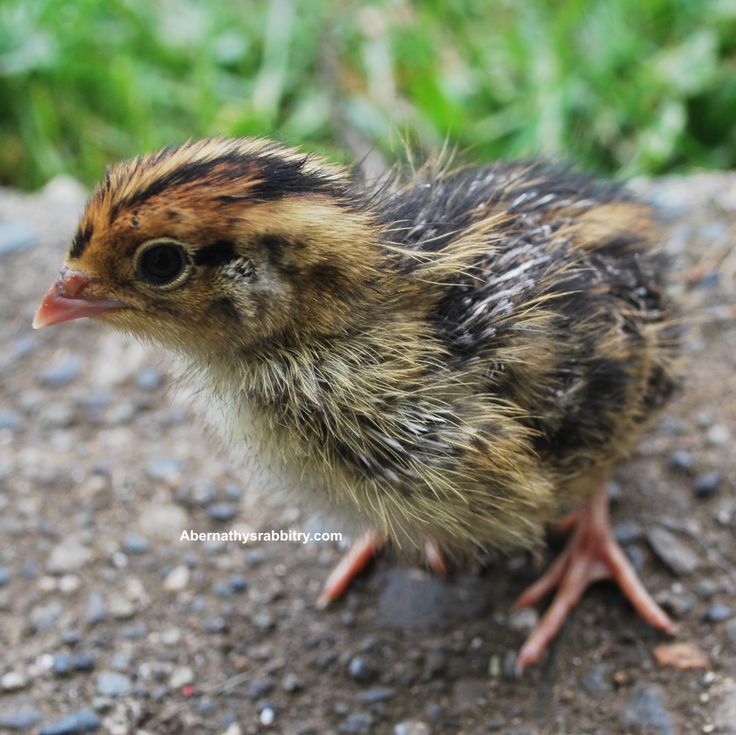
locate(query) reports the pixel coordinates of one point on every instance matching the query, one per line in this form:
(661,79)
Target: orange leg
(592,554)
(360,554)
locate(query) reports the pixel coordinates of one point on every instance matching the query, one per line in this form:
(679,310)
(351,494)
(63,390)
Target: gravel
(676,554)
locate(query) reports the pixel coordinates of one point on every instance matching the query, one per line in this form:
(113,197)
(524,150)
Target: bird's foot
(592,554)
(360,554)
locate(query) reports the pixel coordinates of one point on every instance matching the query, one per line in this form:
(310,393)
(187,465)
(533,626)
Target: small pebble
(260,687)
(681,461)
(165,469)
(96,611)
(171,636)
(180,677)
(627,532)
(375,694)
(360,669)
(67,557)
(61,373)
(221,512)
(596,680)
(216,625)
(238,584)
(357,723)
(62,665)
(4,576)
(149,379)
(719,435)
(121,608)
(412,727)
(12,681)
(177,579)
(706,485)
(135,544)
(267,715)
(645,712)
(523,620)
(76,723)
(718,613)
(673,552)
(291,683)
(83,662)
(113,684)
(20,720)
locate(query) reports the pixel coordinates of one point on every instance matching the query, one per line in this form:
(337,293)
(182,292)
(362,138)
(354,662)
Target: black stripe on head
(81,240)
(271,176)
(219,253)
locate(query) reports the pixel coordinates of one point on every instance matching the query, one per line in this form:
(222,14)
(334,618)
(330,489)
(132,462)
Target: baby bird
(449,359)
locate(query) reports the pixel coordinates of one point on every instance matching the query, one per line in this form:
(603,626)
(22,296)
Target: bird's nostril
(72,283)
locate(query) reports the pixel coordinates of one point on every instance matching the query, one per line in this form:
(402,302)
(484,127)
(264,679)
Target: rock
(113,684)
(375,694)
(681,461)
(260,687)
(180,677)
(291,683)
(645,712)
(163,521)
(95,611)
(357,723)
(77,723)
(679,557)
(83,662)
(20,720)
(215,625)
(596,680)
(523,620)
(706,485)
(165,469)
(362,669)
(149,379)
(724,707)
(238,583)
(221,512)
(62,665)
(13,681)
(67,557)
(412,727)
(718,613)
(134,543)
(171,636)
(4,576)
(267,715)
(121,608)
(627,532)
(177,579)
(719,435)
(16,236)
(61,373)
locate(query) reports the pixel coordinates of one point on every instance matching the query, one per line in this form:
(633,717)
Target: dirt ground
(110,623)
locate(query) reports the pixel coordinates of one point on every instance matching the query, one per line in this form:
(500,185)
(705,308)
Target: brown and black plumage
(445,357)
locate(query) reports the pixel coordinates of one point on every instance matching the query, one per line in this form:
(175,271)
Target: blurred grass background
(618,86)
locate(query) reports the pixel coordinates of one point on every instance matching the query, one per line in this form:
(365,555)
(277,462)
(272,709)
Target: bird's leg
(592,554)
(350,566)
(360,555)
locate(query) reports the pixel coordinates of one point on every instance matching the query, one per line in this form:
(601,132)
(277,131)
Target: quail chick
(447,358)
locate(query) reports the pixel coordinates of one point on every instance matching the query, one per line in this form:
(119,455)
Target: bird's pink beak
(65,300)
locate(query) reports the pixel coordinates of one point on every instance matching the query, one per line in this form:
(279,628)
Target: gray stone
(113,684)
(596,680)
(11,421)
(412,727)
(20,720)
(706,485)
(357,723)
(221,512)
(68,556)
(645,712)
(718,613)
(61,373)
(76,723)
(375,694)
(679,557)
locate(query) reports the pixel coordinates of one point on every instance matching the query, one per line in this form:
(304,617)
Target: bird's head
(216,243)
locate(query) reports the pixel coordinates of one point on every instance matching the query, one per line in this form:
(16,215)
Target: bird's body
(455,355)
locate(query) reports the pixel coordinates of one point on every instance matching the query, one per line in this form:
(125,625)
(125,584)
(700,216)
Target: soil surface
(110,623)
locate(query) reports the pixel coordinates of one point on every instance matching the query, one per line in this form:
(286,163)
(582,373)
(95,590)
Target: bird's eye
(162,264)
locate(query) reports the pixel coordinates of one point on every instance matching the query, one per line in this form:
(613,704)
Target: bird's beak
(65,300)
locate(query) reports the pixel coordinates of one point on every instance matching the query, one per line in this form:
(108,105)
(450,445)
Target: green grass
(618,86)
